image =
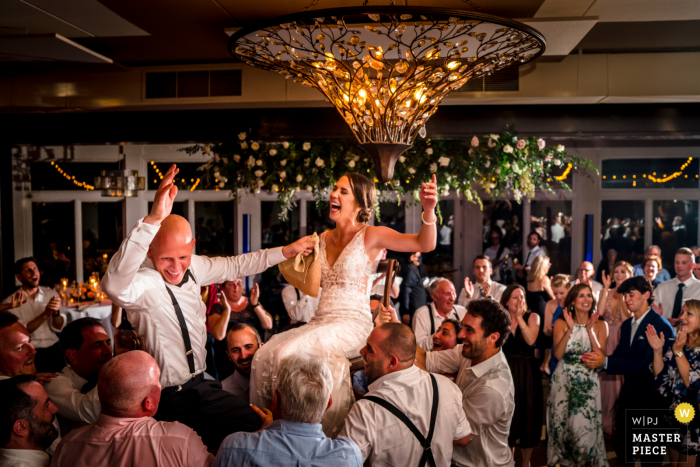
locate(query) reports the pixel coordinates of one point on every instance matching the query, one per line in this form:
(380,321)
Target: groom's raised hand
(164,199)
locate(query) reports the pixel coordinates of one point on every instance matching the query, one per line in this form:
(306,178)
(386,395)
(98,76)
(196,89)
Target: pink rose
(540,143)
(521,144)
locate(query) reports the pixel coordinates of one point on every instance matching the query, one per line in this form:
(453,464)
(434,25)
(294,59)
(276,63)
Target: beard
(474,350)
(43,434)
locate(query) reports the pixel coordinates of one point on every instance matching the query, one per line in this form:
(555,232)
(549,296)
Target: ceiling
(164,32)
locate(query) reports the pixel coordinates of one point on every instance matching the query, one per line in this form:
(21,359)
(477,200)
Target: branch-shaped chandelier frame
(384,68)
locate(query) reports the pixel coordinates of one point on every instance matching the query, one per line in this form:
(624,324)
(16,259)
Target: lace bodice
(347,284)
(613,319)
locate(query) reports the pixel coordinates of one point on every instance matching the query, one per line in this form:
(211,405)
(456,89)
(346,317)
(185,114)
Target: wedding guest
(300,307)
(484,287)
(499,255)
(663,275)
(584,275)
(233,308)
(561,283)
(302,395)
(242,341)
(155,276)
(677,373)
(86,347)
(538,293)
(411,291)
(575,435)
(40,312)
(126,434)
(614,313)
(519,350)
(430,405)
(428,318)
(485,381)
(670,294)
(632,358)
(533,251)
(27,430)
(651,267)
(445,338)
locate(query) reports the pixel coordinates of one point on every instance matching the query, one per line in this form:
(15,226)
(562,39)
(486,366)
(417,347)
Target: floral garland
(498,164)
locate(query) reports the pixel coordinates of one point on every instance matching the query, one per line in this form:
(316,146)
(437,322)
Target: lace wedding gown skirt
(337,332)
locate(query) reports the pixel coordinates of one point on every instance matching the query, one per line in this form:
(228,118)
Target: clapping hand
(255,294)
(18,299)
(468,288)
(592,320)
(164,198)
(681,339)
(656,342)
(428,195)
(607,280)
(568,318)
(53,306)
(485,290)
(224,301)
(594,359)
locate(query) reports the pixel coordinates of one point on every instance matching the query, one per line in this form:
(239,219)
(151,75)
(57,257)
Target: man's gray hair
(435,283)
(304,385)
(652,246)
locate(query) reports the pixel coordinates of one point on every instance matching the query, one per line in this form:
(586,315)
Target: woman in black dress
(539,292)
(519,349)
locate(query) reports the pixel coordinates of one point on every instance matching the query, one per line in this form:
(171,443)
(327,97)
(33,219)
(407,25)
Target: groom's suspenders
(425,442)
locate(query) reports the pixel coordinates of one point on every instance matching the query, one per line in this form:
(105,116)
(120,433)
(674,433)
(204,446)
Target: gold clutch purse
(304,272)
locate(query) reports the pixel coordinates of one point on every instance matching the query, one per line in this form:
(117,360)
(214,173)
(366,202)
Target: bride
(349,255)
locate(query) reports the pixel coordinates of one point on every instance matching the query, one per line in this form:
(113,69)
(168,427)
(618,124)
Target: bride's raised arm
(377,238)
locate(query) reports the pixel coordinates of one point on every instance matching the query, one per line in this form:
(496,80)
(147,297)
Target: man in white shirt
(385,439)
(533,250)
(484,287)
(428,318)
(670,295)
(300,307)
(40,312)
(87,347)
(485,381)
(242,341)
(157,279)
(585,274)
(26,428)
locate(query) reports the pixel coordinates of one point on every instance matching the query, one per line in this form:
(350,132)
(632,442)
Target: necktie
(635,323)
(678,302)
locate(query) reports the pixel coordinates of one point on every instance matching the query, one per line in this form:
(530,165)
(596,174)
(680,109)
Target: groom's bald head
(171,248)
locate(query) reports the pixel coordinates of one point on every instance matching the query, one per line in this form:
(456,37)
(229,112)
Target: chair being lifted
(392,268)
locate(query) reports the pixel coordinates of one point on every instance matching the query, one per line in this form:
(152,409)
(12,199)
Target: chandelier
(126,183)
(385,68)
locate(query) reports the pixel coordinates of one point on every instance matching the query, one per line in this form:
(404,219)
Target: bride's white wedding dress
(337,332)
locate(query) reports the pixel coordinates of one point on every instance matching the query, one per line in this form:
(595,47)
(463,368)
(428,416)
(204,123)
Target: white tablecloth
(101,312)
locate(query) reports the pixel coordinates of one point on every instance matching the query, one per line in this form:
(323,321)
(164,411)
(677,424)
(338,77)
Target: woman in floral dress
(614,312)
(677,371)
(573,408)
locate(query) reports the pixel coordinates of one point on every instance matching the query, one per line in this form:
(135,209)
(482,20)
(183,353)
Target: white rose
(283,162)
(557,162)
(492,186)
(540,143)
(433,167)
(237,157)
(275,188)
(259,162)
(285,145)
(488,164)
(411,170)
(446,192)
(402,159)
(356,158)
(244,145)
(491,144)
(250,162)
(258,173)
(475,141)
(351,164)
(498,170)
(507,165)
(319,162)
(255,146)
(560,148)
(221,184)
(494,137)
(507,148)
(273,152)
(299,178)
(306,146)
(444,161)
(241,136)
(429,151)
(283,174)
(260,183)
(308,188)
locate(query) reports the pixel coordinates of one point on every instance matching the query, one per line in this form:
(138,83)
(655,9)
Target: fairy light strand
(71,178)
(654,178)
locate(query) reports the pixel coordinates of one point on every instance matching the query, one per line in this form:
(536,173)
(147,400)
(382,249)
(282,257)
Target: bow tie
(186,277)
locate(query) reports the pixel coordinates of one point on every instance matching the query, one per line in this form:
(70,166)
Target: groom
(157,279)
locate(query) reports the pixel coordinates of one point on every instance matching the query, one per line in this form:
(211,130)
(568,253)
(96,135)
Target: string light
(673,175)
(651,177)
(155,167)
(195,185)
(71,178)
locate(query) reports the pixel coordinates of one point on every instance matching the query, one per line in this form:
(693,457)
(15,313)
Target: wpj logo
(652,431)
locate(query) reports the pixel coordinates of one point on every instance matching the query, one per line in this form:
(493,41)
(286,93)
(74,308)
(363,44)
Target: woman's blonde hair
(693,306)
(654,258)
(626,265)
(537,270)
(561,280)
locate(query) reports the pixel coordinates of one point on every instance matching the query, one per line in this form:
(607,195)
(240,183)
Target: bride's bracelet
(426,222)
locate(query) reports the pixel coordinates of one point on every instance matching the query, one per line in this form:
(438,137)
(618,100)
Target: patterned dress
(670,384)
(573,409)
(339,330)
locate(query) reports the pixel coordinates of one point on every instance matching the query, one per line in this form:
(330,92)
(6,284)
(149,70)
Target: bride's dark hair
(365,195)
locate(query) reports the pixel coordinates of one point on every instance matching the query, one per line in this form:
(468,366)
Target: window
(392,215)
(317,219)
(675,225)
(622,231)
(275,231)
(59,175)
(652,173)
(188,178)
(53,238)
(506,216)
(214,228)
(103,232)
(552,220)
